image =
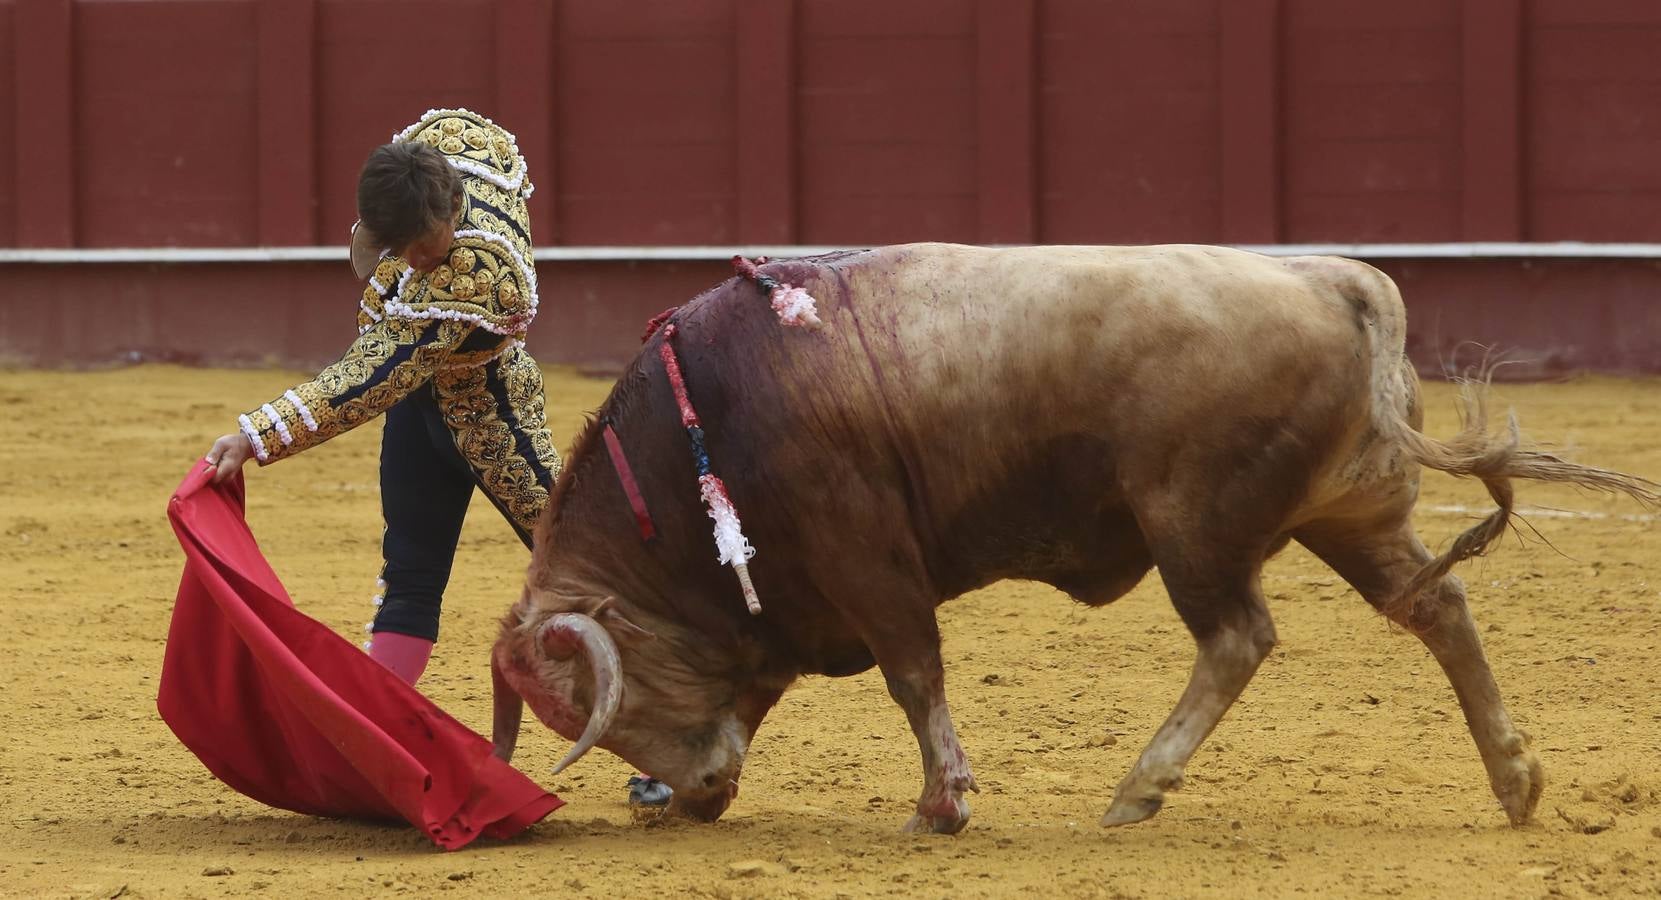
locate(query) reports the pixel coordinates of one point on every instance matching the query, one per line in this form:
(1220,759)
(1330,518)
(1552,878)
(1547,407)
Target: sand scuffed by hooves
(1344,770)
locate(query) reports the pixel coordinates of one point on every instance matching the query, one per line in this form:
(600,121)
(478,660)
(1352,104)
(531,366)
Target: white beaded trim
(381,289)
(457,112)
(301,408)
(488,174)
(403,310)
(377,600)
(277,423)
(467,165)
(253,437)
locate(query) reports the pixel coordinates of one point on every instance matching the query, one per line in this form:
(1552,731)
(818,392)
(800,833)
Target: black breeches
(425,488)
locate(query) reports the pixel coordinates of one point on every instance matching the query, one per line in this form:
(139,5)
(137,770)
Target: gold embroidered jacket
(460,328)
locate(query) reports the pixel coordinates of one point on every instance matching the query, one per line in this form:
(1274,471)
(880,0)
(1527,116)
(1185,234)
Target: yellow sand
(1344,770)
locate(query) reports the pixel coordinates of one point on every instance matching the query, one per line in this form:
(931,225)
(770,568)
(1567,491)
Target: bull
(1071,415)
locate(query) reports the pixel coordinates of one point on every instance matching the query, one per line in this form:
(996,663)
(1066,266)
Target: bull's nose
(705,807)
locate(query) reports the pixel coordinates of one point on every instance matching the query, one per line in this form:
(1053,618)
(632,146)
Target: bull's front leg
(921,692)
(1220,601)
(892,611)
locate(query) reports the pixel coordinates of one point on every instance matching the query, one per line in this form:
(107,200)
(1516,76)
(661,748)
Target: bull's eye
(710,780)
(701,741)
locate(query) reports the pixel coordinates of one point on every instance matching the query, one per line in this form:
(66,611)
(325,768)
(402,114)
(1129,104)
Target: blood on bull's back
(1007,400)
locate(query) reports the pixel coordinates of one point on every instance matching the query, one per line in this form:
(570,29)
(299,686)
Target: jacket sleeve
(391,358)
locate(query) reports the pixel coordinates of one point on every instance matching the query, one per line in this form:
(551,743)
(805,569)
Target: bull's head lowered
(570,661)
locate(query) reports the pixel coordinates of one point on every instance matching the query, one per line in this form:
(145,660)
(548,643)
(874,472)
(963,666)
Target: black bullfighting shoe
(645,790)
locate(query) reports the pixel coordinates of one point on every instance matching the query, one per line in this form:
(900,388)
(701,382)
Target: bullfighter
(444,242)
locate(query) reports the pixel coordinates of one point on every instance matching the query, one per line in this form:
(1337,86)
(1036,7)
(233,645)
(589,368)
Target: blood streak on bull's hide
(794,306)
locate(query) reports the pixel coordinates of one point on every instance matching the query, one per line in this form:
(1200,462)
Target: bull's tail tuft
(1494,458)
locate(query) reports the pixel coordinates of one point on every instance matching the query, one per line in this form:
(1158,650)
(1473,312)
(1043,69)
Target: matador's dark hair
(405,189)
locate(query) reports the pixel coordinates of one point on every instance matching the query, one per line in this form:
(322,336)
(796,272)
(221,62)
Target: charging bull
(1071,415)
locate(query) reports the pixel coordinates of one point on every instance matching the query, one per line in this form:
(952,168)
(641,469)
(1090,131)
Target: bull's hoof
(1130,810)
(935,825)
(1141,795)
(1517,782)
(949,823)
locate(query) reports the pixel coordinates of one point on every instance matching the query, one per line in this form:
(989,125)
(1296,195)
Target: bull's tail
(1494,457)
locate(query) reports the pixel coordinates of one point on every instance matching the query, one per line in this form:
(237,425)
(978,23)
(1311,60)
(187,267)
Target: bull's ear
(610,616)
(560,644)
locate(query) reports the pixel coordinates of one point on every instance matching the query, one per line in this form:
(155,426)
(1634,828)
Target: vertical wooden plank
(44,127)
(286,164)
(1249,72)
(525,98)
(8,148)
(1493,86)
(765,126)
(1007,72)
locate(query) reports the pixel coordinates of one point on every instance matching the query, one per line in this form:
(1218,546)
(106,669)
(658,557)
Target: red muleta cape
(287,712)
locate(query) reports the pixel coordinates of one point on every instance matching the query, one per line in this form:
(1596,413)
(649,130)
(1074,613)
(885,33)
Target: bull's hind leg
(1379,562)
(1222,605)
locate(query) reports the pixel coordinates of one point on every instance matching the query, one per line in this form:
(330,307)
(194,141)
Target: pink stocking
(406,656)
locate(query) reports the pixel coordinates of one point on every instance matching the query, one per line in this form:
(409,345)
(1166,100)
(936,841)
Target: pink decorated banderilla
(734,549)
(794,305)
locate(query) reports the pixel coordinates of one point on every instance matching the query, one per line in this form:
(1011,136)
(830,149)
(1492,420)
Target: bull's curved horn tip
(597,644)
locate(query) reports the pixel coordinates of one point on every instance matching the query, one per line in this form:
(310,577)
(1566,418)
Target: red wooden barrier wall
(235,122)
(225,123)
(1553,316)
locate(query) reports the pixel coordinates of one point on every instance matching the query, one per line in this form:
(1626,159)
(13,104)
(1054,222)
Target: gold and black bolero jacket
(460,327)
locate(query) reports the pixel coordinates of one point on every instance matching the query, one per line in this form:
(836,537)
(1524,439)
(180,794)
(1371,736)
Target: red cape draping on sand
(284,710)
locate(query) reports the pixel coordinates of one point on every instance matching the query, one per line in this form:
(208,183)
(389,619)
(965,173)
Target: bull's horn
(504,731)
(565,632)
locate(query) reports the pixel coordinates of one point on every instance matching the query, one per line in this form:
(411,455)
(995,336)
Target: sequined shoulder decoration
(484,281)
(474,145)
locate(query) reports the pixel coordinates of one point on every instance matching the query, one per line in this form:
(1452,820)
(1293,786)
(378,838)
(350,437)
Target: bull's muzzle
(704,806)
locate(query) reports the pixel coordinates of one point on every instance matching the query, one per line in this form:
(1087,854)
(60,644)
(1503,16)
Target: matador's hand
(228,455)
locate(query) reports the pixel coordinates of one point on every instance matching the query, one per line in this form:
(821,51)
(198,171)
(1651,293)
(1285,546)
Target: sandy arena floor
(1344,770)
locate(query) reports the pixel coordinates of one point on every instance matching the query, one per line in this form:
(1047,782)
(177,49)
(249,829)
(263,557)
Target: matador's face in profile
(429,251)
